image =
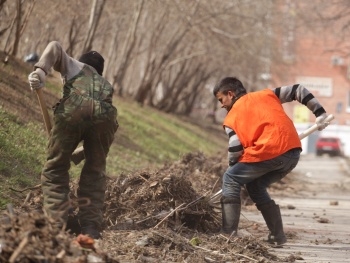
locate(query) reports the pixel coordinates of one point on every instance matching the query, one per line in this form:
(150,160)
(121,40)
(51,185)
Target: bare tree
(19,23)
(2,2)
(158,52)
(128,47)
(95,15)
(73,35)
(332,14)
(158,60)
(113,47)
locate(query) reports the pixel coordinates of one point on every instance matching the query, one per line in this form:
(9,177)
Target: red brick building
(316,59)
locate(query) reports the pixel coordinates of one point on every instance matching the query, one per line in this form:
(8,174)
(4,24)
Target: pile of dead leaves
(149,216)
(175,195)
(34,237)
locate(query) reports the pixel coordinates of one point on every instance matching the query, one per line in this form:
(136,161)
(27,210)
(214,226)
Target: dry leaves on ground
(149,216)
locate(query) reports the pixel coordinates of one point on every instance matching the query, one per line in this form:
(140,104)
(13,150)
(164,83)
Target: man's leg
(231,211)
(92,183)
(234,177)
(257,190)
(272,216)
(55,176)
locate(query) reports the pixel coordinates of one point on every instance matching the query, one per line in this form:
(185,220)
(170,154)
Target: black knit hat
(93,59)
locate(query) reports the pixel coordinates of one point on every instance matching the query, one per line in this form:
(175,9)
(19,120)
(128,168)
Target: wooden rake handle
(44,111)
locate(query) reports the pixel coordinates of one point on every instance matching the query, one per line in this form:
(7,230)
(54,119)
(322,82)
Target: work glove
(37,79)
(320,121)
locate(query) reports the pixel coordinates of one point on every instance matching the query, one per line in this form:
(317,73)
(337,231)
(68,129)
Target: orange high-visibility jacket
(262,126)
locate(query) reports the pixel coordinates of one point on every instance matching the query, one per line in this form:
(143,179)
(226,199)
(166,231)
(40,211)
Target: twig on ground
(143,178)
(212,189)
(19,249)
(170,214)
(29,195)
(26,189)
(215,252)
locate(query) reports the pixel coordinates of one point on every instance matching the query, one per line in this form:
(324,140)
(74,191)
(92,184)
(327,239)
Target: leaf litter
(159,215)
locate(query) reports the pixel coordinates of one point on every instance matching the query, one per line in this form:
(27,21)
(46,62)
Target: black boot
(91,230)
(272,216)
(231,211)
(73,225)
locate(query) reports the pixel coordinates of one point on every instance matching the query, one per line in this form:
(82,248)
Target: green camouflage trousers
(97,133)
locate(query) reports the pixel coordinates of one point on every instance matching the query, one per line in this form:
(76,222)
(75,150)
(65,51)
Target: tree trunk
(17,21)
(2,2)
(128,47)
(14,48)
(95,15)
(111,52)
(73,34)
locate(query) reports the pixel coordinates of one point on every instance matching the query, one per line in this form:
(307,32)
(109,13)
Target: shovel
(78,154)
(214,199)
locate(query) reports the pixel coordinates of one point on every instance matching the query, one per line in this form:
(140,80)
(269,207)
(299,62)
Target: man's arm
(235,148)
(301,94)
(54,56)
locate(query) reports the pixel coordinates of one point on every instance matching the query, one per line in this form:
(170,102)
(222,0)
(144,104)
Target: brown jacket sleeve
(54,56)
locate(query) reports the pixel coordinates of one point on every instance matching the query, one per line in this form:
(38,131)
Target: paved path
(316,218)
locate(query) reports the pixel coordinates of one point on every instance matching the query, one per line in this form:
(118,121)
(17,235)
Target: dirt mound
(150,216)
(167,193)
(33,237)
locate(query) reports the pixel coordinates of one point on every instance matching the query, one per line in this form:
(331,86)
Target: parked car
(329,145)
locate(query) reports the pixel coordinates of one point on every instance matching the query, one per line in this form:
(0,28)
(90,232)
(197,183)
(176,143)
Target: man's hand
(321,124)
(36,79)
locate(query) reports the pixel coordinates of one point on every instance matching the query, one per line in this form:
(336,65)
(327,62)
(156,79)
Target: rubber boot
(73,225)
(91,230)
(231,211)
(272,216)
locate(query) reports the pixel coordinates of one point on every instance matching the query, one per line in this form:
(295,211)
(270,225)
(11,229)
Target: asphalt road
(316,216)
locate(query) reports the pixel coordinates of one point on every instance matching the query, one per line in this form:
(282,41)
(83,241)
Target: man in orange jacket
(264,147)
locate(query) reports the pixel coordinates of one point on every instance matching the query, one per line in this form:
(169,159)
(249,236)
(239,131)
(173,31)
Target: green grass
(150,138)
(22,152)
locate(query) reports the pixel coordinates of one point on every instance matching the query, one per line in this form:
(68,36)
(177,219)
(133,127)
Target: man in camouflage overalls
(85,113)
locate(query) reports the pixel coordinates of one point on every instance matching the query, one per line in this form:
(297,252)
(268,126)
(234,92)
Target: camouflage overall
(85,113)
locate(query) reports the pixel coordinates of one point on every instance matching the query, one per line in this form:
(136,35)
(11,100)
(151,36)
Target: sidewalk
(317,217)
